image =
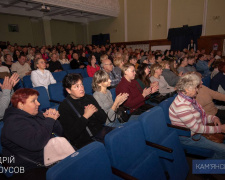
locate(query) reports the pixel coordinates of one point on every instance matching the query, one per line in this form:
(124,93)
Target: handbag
(216,137)
(122,114)
(57,149)
(101,134)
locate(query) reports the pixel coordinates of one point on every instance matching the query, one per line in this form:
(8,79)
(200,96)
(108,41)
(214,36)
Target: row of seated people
(129,75)
(23,118)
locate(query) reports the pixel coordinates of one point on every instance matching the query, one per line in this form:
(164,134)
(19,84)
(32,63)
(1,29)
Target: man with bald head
(108,67)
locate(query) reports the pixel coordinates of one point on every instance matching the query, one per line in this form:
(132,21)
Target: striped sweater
(183,114)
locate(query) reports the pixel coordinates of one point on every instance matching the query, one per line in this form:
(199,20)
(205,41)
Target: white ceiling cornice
(104,7)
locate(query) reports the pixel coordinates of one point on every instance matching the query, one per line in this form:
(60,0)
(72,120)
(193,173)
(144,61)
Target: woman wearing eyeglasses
(41,76)
(186,112)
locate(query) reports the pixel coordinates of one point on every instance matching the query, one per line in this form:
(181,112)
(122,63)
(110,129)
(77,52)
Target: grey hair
(188,81)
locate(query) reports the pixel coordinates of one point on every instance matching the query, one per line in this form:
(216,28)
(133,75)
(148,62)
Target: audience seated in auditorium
(41,76)
(92,67)
(107,66)
(129,85)
(54,65)
(170,77)
(75,63)
(26,131)
(103,96)
(186,112)
(21,67)
(89,118)
(156,75)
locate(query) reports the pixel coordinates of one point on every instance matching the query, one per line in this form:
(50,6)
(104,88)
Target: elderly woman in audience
(26,131)
(183,64)
(156,75)
(88,115)
(129,85)
(92,67)
(41,76)
(103,96)
(170,77)
(7,91)
(63,59)
(186,112)
(218,81)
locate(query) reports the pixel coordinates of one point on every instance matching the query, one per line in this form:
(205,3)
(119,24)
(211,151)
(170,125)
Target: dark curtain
(100,39)
(181,37)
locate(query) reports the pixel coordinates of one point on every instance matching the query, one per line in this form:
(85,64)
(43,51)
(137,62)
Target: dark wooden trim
(158,146)
(122,174)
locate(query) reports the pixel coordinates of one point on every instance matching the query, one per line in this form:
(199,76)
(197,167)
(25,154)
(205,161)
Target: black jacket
(54,66)
(26,135)
(75,127)
(75,64)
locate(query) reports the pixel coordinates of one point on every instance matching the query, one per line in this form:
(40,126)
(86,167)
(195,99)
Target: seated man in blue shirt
(203,66)
(107,66)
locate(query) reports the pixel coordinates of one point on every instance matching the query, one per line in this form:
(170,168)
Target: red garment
(69,56)
(135,98)
(91,70)
(45,56)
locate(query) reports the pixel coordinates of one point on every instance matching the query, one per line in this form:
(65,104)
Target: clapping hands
(51,113)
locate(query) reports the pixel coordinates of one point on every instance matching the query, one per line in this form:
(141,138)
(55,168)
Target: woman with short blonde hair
(103,96)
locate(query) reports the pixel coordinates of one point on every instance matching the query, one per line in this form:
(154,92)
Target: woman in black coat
(26,131)
(79,127)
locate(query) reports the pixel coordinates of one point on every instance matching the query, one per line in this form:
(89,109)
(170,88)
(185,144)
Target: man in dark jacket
(75,63)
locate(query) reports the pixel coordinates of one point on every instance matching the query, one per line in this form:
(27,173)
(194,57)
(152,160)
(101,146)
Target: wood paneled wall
(204,42)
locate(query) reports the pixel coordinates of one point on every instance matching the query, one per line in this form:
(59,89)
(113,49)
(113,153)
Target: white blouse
(39,78)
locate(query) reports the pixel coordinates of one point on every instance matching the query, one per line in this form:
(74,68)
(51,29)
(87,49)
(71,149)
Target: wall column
(125,20)
(47,30)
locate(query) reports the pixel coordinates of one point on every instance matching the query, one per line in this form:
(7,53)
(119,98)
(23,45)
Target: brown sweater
(205,98)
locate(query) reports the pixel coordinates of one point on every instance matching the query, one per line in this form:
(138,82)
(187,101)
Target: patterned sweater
(183,114)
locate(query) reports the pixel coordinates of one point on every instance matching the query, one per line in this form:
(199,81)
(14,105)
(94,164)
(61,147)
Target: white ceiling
(67,10)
